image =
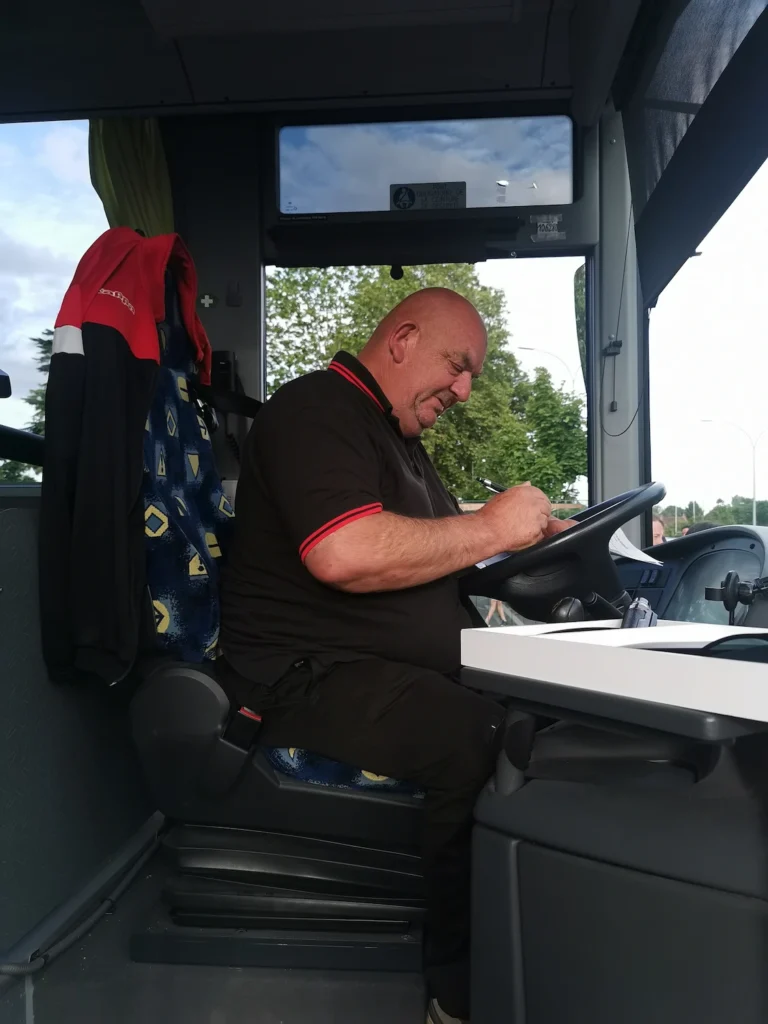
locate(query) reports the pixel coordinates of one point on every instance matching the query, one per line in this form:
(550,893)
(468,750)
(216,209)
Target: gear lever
(568,609)
(639,615)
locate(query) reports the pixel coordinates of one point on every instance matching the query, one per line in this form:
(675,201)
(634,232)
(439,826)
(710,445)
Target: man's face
(440,374)
(658,532)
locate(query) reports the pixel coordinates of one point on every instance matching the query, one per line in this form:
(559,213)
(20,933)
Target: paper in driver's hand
(621,546)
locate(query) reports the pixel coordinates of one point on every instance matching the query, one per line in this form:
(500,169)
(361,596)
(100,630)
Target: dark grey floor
(95,981)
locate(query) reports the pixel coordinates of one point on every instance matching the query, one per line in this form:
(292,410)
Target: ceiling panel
(384,63)
(89,79)
(181,18)
(555,68)
(61,66)
(88,56)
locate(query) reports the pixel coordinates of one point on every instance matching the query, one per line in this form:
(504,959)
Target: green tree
(694,513)
(721,514)
(741,509)
(36,397)
(15,473)
(514,428)
(18,472)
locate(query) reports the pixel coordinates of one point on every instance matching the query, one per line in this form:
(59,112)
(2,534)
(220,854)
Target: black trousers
(408,723)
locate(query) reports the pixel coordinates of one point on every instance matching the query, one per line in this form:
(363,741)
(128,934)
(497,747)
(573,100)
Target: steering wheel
(574,563)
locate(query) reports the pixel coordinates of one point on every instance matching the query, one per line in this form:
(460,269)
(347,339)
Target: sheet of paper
(621,546)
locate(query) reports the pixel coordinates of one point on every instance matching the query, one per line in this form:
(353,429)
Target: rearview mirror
(5,385)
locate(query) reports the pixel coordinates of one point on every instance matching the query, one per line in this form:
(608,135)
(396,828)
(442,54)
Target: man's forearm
(391,552)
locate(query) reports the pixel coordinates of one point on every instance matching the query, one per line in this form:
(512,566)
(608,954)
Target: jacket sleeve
(91,548)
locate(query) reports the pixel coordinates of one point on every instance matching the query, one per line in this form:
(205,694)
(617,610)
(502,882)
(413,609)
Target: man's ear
(402,339)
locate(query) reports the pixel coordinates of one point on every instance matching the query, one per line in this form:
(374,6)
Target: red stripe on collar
(350,376)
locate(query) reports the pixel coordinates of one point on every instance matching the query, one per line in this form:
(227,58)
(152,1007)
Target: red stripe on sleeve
(336,524)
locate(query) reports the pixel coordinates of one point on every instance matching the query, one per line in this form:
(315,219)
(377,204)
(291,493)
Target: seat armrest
(178,700)
(178,718)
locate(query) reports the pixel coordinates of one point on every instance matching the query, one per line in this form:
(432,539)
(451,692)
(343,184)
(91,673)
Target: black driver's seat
(194,747)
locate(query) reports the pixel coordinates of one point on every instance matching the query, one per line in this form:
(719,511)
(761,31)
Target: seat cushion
(320,771)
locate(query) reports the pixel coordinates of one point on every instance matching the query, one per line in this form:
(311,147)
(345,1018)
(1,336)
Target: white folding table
(648,678)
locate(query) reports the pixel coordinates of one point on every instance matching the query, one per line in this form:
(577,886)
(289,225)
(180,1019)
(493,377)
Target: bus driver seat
(193,746)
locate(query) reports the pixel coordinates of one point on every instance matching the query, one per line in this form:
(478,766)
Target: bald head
(425,354)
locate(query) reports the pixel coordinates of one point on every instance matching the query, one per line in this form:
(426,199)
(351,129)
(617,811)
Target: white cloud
(49,215)
(64,153)
(21,260)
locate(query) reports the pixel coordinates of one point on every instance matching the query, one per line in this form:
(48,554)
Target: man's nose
(462,386)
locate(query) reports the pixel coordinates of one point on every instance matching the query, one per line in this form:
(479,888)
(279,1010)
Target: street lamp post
(554,355)
(754,443)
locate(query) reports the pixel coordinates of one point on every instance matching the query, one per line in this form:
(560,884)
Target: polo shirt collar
(352,370)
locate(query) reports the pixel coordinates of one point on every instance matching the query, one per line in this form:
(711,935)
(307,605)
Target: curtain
(130,175)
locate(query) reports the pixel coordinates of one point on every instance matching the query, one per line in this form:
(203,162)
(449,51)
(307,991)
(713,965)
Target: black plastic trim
(21,446)
(606,710)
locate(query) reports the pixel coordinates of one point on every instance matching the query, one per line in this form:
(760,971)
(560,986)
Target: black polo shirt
(324,452)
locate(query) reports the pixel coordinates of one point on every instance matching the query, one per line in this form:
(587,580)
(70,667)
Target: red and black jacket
(101,381)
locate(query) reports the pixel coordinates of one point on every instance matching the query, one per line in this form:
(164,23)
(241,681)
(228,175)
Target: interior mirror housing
(5,385)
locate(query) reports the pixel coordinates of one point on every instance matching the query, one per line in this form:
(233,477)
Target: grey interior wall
(70,787)
(214,168)
(13,1006)
(617,432)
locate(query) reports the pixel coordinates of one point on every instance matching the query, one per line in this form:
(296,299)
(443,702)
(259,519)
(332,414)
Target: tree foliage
(514,427)
(694,513)
(736,512)
(36,397)
(19,472)
(15,473)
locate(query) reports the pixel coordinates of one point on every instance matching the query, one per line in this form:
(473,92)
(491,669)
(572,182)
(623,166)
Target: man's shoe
(436,1015)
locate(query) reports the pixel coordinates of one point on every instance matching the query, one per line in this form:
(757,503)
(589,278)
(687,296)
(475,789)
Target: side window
(708,365)
(50,215)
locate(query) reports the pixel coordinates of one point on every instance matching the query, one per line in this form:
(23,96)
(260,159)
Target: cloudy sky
(350,167)
(709,333)
(49,215)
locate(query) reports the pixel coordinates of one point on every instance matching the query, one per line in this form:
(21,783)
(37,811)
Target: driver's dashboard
(675,589)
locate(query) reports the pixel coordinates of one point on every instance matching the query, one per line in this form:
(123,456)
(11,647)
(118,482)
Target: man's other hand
(518,516)
(555,526)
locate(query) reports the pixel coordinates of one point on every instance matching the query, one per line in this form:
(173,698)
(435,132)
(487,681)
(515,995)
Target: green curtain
(130,175)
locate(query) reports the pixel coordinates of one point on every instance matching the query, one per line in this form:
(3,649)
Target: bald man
(341,613)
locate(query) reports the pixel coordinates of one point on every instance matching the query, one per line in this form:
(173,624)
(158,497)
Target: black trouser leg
(410,723)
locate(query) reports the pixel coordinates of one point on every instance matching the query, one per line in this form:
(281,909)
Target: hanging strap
(227,402)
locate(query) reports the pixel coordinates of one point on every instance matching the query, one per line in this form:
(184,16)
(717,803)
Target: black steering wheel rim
(578,558)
